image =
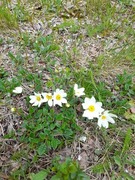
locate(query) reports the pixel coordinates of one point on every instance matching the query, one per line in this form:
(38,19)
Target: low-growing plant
(17,60)
(45,45)
(7,19)
(125,85)
(48,129)
(68,170)
(70,25)
(54,124)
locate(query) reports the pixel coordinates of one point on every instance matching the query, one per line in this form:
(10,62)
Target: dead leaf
(3,176)
(84,160)
(132,109)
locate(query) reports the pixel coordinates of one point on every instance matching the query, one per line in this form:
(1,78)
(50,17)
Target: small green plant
(45,45)
(70,25)
(125,85)
(53,124)
(53,6)
(3,73)
(47,130)
(122,158)
(21,12)
(7,19)
(41,175)
(1,41)
(68,170)
(17,60)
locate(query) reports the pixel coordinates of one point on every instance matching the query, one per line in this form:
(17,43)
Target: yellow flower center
(49,97)
(13,109)
(38,98)
(58,97)
(103,117)
(91,108)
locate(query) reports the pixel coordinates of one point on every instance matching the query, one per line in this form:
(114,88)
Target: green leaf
(55,143)
(131,162)
(39,176)
(41,150)
(55,177)
(117,160)
(127,141)
(127,176)
(100,168)
(72,168)
(38,127)
(2,87)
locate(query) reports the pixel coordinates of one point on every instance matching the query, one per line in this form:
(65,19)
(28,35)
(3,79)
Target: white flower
(36,100)
(47,97)
(79,157)
(78,91)
(105,118)
(83,138)
(67,105)
(13,109)
(59,97)
(18,90)
(92,108)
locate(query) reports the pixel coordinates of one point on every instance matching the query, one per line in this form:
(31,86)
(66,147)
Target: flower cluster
(92,108)
(57,98)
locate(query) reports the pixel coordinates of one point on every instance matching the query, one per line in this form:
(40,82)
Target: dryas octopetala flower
(47,97)
(36,99)
(105,118)
(67,105)
(18,90)
(13,109)
(92,108)
(78,91)
(59,97)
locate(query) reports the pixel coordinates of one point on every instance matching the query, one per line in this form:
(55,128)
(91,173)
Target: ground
(49,45)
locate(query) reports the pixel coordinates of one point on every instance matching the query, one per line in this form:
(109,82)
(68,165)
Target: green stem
(94,84)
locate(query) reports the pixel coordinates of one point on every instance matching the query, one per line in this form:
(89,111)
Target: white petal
(50,103)
(113,115)
(93,100)
(39,104)
(111,120)
(99,104)
(18,90)
(98,108)
(95,114)
(87,100)
(105,124)
(82,89)
(57,90)
(35,104)
(99,123)
(87,114)
(85,105)
(44,97)
(64,100)
(32,101)
(75,87)
(57,102)
(63,94)
(31,97)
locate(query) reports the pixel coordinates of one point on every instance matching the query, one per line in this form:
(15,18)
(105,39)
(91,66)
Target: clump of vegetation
(67,89)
